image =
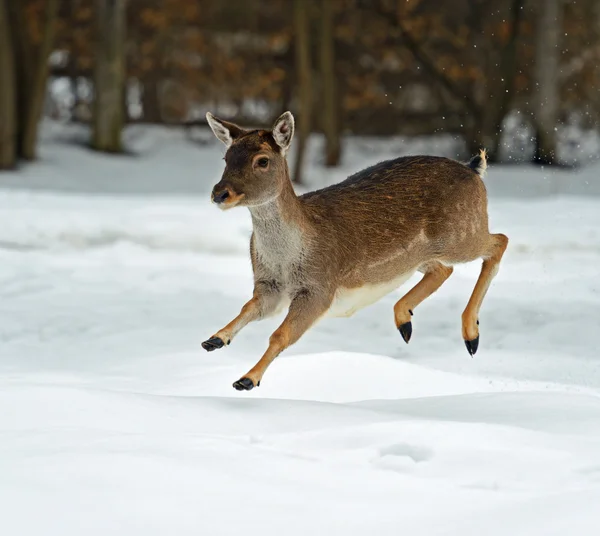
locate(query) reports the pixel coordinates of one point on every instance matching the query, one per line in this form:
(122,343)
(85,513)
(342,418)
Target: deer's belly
(349,300)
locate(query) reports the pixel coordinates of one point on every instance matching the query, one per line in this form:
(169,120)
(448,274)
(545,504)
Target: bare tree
(151,106)
(330,116)
(304,82)
(30,65)
(484,107)
(546,75)
(8,154)
(500,84)
(37,77)
(109,76)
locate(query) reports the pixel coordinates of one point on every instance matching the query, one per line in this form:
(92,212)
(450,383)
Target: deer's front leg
(306,308)
(263,304)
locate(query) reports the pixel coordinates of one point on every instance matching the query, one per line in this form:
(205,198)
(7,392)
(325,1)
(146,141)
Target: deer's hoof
(406,331)
(212,344)
(244,384)
(472,346)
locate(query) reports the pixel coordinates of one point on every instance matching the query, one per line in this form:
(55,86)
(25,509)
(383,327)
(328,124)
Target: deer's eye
(262,162)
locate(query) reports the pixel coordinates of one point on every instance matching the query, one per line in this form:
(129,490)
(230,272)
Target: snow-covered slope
(113,420)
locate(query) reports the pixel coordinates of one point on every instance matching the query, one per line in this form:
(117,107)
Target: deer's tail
(479,163)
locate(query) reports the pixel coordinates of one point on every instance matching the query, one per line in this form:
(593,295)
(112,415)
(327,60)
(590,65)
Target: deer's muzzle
(220,195)
(225,197)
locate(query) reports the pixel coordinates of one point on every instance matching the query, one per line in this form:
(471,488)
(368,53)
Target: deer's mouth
(227,199)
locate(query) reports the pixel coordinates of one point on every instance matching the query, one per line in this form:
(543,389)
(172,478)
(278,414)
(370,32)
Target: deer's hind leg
(435,273)
(491,262)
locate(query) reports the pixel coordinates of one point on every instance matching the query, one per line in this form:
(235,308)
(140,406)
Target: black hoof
(244,384)
(212,344)
(472,346)
(406,331)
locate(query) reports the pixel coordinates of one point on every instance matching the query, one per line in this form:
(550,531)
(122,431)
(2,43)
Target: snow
(114,420)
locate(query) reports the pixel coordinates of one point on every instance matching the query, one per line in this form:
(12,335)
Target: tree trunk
(151,111)
(546,76)
(8,133)
(109,76)
(500,86)
(474,136)
(329,112)
(287,92)
(304,82)
(72,65)
(38,82)
(31,73)
(23,65)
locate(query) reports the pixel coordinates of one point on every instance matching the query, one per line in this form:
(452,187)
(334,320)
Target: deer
(333,251)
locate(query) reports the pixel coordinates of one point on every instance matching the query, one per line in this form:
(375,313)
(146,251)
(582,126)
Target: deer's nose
(220,196)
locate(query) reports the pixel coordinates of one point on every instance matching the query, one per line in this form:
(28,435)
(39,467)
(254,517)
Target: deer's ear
(224,130)
(283,131)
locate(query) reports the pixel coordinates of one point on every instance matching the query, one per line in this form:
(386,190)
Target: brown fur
(417,213)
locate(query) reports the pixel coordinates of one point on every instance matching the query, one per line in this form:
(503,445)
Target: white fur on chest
(278,250)
(349,300)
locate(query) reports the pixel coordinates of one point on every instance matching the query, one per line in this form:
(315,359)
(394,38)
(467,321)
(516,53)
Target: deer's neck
(278,227)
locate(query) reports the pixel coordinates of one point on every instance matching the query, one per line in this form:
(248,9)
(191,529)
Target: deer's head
(255,165)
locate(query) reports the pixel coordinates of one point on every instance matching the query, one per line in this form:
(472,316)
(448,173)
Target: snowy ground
(113,420)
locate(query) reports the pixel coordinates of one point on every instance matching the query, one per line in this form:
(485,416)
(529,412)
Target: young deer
(336,250)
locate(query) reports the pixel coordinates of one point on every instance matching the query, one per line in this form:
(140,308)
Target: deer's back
(399,214)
